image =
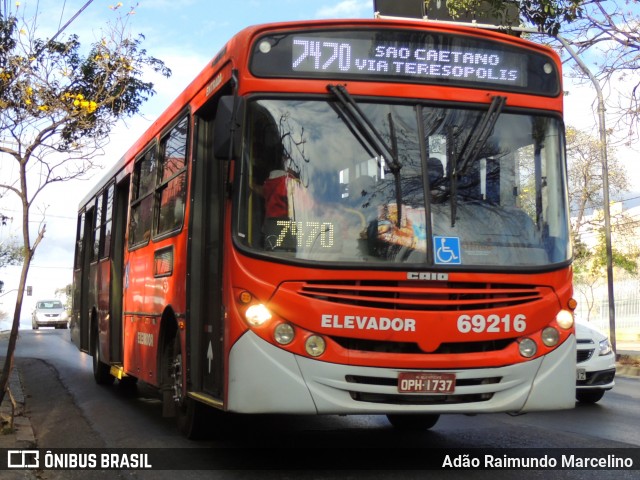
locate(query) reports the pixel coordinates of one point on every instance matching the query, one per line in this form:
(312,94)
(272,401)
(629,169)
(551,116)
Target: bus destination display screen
(405,56)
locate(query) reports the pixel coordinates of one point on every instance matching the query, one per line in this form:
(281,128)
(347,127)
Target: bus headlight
(283,334)
(565,319)
(550,336)
(315,345)
(528,347)
(257,315)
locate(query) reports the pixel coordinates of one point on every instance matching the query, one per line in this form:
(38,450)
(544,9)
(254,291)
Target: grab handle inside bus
(227,127)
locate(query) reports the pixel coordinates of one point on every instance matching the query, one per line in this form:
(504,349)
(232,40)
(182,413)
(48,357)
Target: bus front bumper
(266,379)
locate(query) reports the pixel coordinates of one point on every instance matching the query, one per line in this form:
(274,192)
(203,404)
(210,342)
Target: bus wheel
(188,411)
(101,371)
(423,421)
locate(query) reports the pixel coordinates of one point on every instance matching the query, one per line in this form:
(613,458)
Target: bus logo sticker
(447,250)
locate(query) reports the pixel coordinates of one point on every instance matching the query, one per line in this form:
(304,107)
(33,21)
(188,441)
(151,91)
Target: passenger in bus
(276,189)
(285,200)
(436,180)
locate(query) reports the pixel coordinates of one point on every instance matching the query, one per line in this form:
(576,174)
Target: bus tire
(188,412)
(101,371)
(417,422)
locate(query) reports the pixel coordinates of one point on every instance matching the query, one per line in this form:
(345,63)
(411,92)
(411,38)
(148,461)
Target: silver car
(49,313)
(596,364)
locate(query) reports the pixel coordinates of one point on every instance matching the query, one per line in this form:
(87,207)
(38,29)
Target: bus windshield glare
(346,182)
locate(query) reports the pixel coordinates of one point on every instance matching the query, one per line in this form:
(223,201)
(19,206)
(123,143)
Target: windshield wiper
(473,147)
(356,119)
(481,133)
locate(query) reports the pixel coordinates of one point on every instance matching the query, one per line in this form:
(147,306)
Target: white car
(49,313)
(596,364)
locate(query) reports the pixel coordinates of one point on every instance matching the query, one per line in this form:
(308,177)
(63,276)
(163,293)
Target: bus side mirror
(227,127)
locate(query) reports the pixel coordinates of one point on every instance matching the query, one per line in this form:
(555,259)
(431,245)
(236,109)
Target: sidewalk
(20,434)
(628,352)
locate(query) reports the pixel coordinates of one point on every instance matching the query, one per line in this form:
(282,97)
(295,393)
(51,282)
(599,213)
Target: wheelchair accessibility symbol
(447,250)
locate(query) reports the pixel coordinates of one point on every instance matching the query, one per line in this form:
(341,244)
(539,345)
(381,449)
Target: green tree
(57,107)
(10,249)
(607,36)
(586,182)
(585,196)
(10,253)
(590,267)
(545,15)
(604,33)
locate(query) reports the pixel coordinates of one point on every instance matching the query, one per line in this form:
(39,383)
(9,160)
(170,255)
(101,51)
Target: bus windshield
(410,184)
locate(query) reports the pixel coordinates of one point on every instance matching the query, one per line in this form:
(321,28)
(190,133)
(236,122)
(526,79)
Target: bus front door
(205,283)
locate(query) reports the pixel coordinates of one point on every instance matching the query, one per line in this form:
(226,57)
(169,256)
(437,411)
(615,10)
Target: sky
(185,34)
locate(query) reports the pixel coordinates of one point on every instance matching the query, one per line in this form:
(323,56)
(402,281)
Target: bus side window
(97,228)
(173,181)
(105,247)
(79,242)
(142,197)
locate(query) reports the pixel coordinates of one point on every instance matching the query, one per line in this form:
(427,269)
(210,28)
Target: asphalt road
(68,410)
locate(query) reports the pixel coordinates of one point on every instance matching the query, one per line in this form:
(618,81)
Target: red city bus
(341,217)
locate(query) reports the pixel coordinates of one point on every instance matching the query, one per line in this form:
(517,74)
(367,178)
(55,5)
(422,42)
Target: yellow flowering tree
(57,107)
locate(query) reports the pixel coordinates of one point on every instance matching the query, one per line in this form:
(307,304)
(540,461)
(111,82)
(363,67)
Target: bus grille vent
(424,296)
(377,346)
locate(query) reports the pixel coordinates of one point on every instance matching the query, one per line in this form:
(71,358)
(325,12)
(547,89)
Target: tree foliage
(52,97)
(11,253)
(604,33)
(585,198)
(607,35)
(585,176)
(545,15)
(10,250)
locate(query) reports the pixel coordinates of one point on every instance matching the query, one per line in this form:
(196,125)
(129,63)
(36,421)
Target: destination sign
(360,56)
(405,56)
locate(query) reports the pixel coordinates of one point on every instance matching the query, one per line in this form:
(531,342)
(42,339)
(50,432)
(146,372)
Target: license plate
(426,382)
(581,374)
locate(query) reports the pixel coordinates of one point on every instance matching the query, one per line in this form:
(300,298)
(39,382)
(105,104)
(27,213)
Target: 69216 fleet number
(492,323)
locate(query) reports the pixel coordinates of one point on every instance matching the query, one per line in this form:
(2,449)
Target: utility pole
(605,187)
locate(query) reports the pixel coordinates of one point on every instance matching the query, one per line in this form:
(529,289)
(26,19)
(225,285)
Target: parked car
(596,364)
(49,313)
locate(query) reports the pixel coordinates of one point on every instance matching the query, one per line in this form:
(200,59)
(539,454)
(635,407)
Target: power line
(60,30)
(598,206)
(41,217)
